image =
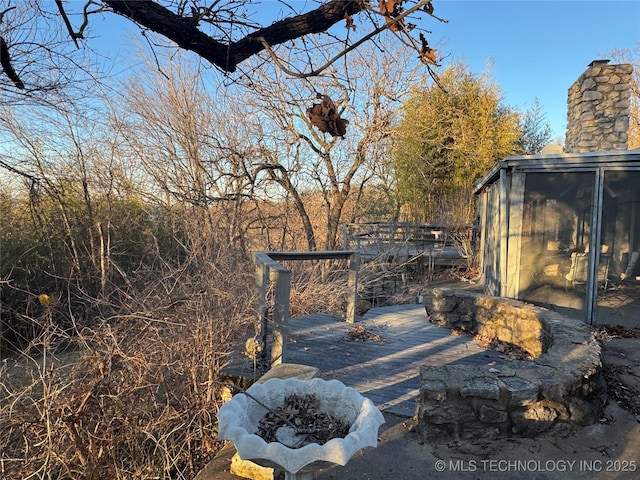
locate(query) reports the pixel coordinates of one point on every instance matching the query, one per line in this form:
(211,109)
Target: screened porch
(563,231)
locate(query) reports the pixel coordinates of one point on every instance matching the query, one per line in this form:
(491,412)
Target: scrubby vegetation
(110,362)
(117,317)
(128,226)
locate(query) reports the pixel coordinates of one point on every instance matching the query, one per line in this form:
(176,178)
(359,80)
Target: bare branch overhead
(224,33)
(7,66)
(185,33)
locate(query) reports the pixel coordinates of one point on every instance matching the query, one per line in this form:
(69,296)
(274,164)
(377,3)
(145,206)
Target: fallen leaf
(45,299)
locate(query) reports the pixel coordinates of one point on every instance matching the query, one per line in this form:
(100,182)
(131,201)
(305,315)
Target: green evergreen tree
(536,131)
(450,136)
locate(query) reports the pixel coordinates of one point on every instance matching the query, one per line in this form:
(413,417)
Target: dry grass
(132,397)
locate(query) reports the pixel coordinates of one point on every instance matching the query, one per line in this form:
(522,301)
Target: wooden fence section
(269,270)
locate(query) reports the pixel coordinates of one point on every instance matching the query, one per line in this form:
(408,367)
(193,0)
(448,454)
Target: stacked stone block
(491,317)
(598,109)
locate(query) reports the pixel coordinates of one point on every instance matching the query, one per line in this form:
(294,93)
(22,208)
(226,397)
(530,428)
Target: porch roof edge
(558,160)
(491,175)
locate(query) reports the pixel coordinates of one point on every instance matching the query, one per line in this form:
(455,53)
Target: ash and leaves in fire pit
(507,350)
(299,422)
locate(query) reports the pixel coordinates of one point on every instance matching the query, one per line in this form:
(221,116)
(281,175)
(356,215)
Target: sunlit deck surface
(384,369)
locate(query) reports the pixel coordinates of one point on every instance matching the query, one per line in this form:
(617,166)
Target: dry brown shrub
(134,396)
(319,286)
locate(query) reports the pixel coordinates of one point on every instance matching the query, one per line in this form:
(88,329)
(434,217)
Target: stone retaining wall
(560,389)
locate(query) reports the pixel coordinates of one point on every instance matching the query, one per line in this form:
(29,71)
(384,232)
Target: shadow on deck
(386,370)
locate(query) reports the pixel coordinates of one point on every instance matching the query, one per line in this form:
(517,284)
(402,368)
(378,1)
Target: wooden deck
(386,369)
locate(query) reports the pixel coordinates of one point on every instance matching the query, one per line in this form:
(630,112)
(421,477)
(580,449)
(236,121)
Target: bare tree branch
(221,32)
(67,23)
(395,21)
(13,169)
(4,12)
(7,67)
(85,20)
(185,33)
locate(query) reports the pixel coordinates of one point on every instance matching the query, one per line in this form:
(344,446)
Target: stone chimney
(598,108)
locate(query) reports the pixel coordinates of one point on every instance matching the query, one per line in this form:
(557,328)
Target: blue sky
(537,48)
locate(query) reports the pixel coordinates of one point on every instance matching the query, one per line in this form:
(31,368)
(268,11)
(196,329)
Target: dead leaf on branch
(392,9)
(350,24)
(326,118)
(427,54)
(429,8)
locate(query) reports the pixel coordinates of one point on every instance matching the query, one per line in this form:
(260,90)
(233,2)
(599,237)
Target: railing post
(281,316)
(345,236)
(262,280)
(354,266)
(268,270)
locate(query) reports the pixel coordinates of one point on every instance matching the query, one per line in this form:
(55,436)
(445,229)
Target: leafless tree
(632,56)
(193,147)
(366,90)
(37,37)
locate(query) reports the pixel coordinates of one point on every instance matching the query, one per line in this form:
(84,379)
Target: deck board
(385,371)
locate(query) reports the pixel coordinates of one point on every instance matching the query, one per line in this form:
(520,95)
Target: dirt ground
(609,449)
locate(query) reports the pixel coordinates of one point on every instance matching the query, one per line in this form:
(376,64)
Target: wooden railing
(269,270)
(360,236)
